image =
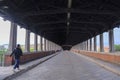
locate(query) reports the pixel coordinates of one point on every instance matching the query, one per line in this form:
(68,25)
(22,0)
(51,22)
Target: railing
(1,59)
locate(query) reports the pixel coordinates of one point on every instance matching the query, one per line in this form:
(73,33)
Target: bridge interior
(67,24)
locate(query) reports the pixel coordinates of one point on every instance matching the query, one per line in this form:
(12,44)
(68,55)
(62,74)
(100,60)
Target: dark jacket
(17,52)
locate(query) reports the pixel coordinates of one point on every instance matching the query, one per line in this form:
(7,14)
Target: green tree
(117,47)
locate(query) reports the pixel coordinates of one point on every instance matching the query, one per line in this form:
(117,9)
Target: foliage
(2,52)
(31,49)
(1,56)
(117,47)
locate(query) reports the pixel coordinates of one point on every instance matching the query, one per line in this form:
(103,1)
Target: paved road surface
(68,66)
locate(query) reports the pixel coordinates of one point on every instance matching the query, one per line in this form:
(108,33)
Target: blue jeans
(17,61)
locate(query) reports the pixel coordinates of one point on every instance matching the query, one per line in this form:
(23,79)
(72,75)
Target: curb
(27,69)
(100,64)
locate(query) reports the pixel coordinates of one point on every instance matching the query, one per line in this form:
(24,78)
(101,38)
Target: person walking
(16,53)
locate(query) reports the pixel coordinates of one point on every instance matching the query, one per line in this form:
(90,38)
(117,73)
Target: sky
(5,32)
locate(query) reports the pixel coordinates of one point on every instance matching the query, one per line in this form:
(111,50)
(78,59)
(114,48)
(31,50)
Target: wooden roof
(65,22)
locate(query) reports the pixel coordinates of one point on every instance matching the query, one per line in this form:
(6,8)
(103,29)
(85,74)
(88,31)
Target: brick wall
(27,57)
(109,57)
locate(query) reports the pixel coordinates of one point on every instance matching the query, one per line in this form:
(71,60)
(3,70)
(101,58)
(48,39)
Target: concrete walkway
(6,72)
(68,66)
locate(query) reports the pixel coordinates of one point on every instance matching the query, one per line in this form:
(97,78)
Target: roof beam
(72,21)
(68,16)
(90,22)
(50,22)
(60,11)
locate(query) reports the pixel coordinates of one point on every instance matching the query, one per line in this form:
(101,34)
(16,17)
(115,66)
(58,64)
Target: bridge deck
(68,66)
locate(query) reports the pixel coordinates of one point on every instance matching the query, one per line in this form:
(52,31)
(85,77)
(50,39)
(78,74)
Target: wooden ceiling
(65,22)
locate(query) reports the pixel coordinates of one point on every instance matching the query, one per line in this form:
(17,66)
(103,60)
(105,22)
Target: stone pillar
(87,45)
(13,37)
(48,45)
(111,41)
(90,44)
(44,44)
(55,47)
(80,46)
(51,46)
(83,46)
(35,42)
(101,43)
(95,43)
(27,41)
(41,43)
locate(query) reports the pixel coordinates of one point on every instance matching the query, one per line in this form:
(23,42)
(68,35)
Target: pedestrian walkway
(6,72)
(68,66)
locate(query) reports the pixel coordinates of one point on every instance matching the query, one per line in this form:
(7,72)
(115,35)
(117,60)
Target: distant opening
(92,44)
(21,37)
(31,42)
(43,44)
(4,35)
(38,41)
(106,41)
(117,39)
(98,43)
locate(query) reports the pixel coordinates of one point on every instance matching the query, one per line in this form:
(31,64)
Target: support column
(35,42)
(87,45)
(41,43)
(13,37)
(101,43)
(44,44)
(51,46)
(83,45)
(90,44)
(27,41)
(47,45)
(111,41)
(95,43)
